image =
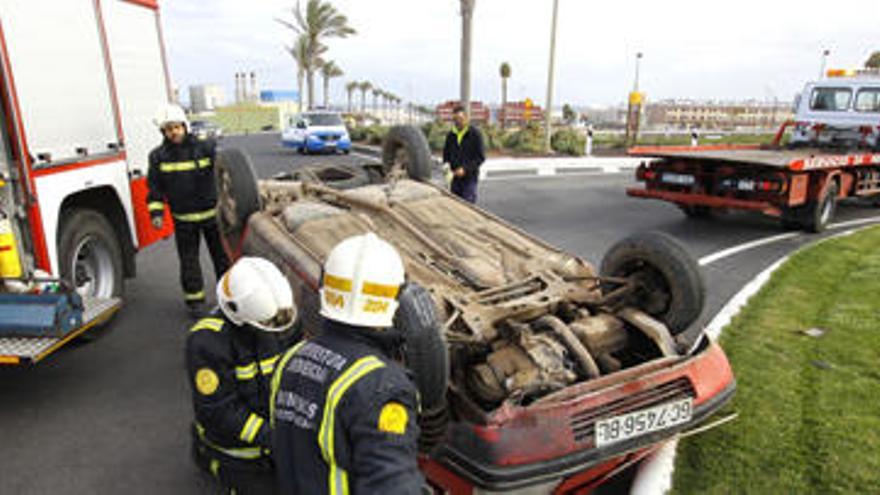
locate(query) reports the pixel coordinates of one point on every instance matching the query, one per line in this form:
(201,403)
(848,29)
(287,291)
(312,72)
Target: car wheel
(90,259)
(238,196)
(668,281)
(405,153)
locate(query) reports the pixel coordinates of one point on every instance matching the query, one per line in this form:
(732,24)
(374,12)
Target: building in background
(479,111)
(716,115)
(517,113)
(286,101)
(246,87)
(206,97)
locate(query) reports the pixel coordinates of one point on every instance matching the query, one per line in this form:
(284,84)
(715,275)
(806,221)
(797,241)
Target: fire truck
(80,81)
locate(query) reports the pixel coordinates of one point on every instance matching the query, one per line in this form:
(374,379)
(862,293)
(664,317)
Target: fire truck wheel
(90,255)
(238,196)
(668,281)
(821,212)
(405,153)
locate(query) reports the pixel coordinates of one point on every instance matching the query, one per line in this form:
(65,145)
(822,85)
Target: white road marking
(363,155)
(724,253)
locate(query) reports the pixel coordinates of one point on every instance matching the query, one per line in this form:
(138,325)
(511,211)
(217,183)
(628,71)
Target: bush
(435,133)
(375,134)
(568,142)
(358,133)
(529,139)
(493,137)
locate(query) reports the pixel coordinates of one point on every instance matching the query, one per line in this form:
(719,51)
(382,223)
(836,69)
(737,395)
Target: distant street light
(638,59)
(825,54)
(549,109)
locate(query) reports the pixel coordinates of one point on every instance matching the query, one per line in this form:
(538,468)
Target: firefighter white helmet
(168,113)
(255,292)
(362,276)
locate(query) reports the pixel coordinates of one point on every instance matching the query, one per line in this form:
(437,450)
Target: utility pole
(549,108)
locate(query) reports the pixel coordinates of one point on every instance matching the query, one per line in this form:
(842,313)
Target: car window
(324,119)
(868,100)
(830,99)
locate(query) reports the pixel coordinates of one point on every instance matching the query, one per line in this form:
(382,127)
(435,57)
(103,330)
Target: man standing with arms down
(182,174)
(464,153)
(344,413)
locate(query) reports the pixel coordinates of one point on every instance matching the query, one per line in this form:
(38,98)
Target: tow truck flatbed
(30,350)
(768,156)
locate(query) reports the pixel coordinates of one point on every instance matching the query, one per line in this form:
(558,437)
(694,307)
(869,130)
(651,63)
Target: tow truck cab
(842,110)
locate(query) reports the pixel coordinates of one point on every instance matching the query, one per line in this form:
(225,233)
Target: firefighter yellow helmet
(256,293)
(362,276)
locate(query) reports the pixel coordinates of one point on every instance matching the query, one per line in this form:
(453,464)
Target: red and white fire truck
(80,81)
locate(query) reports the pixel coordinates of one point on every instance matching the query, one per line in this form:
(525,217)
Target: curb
(507,167)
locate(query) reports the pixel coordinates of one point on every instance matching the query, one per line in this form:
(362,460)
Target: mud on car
(534,368)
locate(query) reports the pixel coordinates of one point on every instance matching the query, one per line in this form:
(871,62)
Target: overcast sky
(692,49)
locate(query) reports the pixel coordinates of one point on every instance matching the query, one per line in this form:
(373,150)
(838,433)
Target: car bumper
(696,199)
(525,446)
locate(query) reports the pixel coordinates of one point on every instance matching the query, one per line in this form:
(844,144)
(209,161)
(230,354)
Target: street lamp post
(825,54)
(638,59)
(549,109)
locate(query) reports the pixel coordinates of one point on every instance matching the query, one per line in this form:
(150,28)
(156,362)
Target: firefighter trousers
(228,475)
(187,236)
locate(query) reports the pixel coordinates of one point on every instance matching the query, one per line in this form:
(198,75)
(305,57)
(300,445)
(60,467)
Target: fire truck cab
(80,81)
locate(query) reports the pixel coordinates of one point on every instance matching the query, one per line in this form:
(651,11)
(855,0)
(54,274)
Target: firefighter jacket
(344,418)
(230,370)
(183,176)
(465,149)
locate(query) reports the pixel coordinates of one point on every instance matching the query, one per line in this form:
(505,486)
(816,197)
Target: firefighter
(464,153)
(181,173)
(230,357)
(343,412)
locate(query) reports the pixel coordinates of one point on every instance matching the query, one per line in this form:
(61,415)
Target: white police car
(317,131)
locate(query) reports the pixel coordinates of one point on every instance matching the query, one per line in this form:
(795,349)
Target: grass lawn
(809,408)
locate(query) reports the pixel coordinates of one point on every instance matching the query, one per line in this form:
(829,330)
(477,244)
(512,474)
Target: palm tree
(349,88)
(300,56)
(364,86)
(376,93)
(873,61)
(318,22)
(329,70)
(505,74)
(467,22)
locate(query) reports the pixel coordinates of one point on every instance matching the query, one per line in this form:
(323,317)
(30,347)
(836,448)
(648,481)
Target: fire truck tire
(90,254)
(405,150)
(238,196)
(819,214)
(670,283)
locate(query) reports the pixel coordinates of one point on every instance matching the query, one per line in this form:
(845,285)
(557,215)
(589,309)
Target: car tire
(405,152)
(90,259)
(670,283)
(238,196)
(427,358)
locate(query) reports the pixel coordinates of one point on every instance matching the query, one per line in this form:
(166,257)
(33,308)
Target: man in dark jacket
(230,358)
(464,153)
(181,173)
(344,413)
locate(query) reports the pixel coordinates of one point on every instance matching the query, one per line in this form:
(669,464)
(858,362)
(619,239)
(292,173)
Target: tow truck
(79,83)
(833,153)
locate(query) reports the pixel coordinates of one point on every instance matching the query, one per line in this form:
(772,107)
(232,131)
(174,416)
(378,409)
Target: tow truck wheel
(405,153)
(668,282)
(238,196)
(822,211)
(90,259)
(695,211)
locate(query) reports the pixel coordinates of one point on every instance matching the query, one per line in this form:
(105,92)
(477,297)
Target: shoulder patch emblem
(207,381)
(393,418)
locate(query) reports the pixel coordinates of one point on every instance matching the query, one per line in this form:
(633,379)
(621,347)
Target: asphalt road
(112,416)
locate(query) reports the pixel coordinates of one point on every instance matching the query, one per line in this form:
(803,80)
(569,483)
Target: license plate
(680,179)
(619,428)
(745,185)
